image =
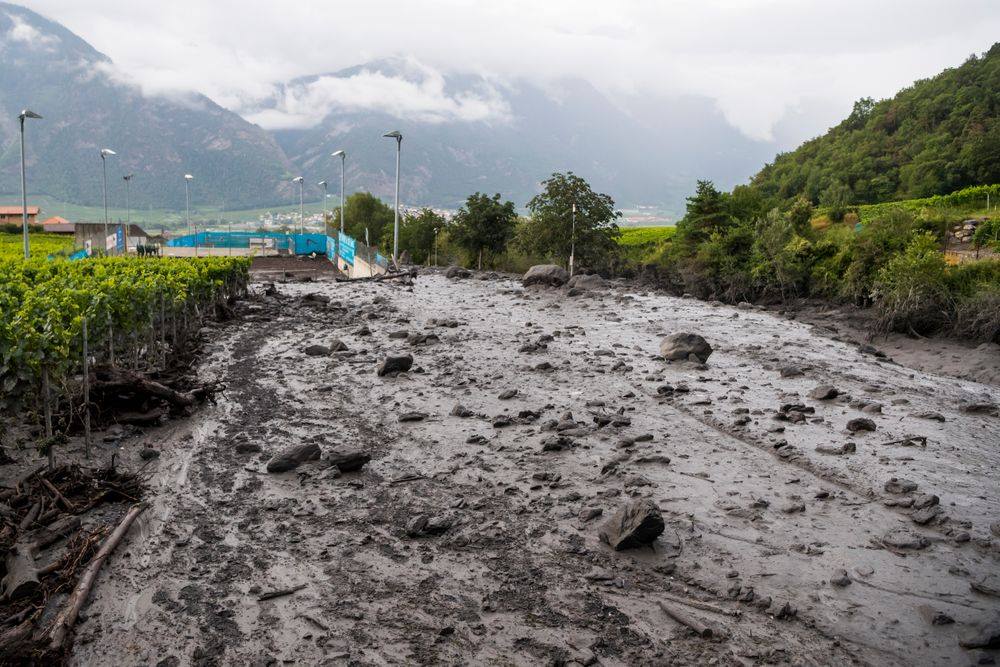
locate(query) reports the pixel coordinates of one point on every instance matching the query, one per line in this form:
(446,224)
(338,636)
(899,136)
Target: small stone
(933,416)
(461,411)
(791,371)
(317,351)
(395,364)
(635,524)
(507,394)
(293,457)
(860,424)
(898,485)
(824,392)
(840,579)
(413,416)
(347,459)
(148,453)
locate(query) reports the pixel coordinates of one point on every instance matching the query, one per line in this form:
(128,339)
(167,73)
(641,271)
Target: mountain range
(462,133)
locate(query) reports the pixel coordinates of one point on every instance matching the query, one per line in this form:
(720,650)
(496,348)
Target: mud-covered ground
(508,568)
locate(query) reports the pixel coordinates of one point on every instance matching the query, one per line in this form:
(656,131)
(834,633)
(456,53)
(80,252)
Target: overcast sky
(780,68)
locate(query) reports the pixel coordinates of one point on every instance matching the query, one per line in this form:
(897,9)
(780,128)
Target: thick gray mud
(758,521)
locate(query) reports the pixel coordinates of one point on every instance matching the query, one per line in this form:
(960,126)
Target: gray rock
(317,350)
(900,538)
(394,364)
(926,515)
(148,453)
(840,579)
(293,457)
(347,459)
(545,274)
(461,411)
(925,500)
(987,637)
(860,424)
(824,392)
(587,282)
(899,485)
(636,523)
(457,272)
(412,416)
(791,371)
(934,416)
(681,347)
(507,394)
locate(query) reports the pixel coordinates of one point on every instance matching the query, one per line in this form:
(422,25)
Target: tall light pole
(128,208)
(302,212)
(572,242)
(326,195)
(25,113)
(105,152)
(343,158)
(187,201)
(395,225)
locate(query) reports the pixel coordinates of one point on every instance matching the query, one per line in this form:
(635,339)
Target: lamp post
(105,152)
(326,195)
(25,113)
(187,208)
(128,208)
(343,158)
(572,242)
(302,214)
(395,225)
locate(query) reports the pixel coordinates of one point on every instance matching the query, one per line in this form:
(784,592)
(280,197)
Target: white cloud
(425,99)
(759,59)
(24,33)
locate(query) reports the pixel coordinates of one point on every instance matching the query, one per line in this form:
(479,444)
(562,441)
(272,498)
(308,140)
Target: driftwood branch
(683,618)
(67,617)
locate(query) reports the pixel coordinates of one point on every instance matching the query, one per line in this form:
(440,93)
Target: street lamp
(395,225)
(572,242)
(302,214)
(105,152)
(326,195)
(128,208)
(187,201)
(25,113)
(343,157)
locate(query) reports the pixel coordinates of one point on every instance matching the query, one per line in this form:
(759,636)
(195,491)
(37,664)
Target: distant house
(58,225)
(14,215)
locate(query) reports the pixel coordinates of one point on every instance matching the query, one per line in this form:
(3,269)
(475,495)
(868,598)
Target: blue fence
(298,244)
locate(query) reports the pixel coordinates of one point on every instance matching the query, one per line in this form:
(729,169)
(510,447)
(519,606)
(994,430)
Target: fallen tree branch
(280,593)
(67,617)
(704,606)
(700,628)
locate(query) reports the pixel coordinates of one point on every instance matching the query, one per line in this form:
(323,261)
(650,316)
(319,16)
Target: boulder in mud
(546,274)
(900,538)
(635,524)
(317,350)
(457,272)
(899,485)
(824,392)
(685,346)
(587,282)
(293,457)
(860,424)
(395,364)
(347,459)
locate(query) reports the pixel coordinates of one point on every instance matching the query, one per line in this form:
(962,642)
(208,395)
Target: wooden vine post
(86,392)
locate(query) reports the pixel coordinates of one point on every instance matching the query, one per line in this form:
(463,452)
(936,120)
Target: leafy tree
(837,197)
(707,213)
(747,204)
(484,224)
(365,210)
(549,231)
(800,216)
(416,234)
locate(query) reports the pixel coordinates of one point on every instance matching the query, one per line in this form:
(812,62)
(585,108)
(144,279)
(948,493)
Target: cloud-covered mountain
(464,133)
(86,106)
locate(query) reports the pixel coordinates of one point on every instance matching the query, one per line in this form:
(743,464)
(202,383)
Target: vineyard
(129,314)
(42,245)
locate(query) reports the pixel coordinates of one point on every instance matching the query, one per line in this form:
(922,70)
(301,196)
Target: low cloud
(23,33)
(423,98)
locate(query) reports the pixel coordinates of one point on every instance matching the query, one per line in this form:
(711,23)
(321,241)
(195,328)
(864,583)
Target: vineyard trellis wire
(137,310)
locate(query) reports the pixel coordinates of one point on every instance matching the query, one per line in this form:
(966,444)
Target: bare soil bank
(472,539)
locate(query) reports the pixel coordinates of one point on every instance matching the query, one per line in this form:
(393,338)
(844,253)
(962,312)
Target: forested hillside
(939,135)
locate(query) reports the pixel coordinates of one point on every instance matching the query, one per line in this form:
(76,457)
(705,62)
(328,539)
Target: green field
(42,245)
(639,236)
(154,219)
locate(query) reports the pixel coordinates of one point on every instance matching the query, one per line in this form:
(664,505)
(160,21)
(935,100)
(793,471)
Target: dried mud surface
(508,568)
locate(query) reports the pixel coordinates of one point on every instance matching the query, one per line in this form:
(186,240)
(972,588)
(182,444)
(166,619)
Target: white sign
(111,242)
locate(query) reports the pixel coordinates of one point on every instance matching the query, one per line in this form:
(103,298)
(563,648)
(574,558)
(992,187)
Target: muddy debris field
(468,470)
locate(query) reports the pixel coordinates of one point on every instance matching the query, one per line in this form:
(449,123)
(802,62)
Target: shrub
(912,291)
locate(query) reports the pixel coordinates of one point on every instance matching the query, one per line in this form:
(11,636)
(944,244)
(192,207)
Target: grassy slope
(11,245)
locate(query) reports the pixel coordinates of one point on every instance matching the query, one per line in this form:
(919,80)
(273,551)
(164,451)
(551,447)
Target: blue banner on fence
(346,247)
(120,238)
